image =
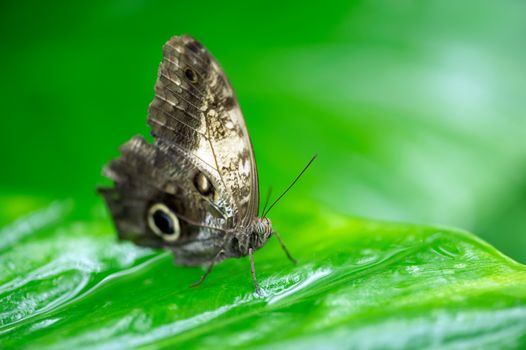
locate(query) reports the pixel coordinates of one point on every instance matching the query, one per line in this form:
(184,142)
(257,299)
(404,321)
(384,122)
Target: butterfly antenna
(290,186)
(267,199)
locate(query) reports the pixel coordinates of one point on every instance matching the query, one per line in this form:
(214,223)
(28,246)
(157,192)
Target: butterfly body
(194,190)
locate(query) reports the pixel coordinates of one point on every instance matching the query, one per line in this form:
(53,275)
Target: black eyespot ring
(190,74)
(163,222)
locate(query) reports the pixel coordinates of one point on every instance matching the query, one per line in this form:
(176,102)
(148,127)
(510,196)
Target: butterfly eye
(190,74)
(202,184)
(163,222)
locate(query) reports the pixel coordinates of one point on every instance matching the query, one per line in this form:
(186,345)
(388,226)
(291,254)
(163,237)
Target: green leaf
(66,283)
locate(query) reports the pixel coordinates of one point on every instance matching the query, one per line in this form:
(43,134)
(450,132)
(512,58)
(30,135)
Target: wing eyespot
(163,222)
(190,74)
(203,185)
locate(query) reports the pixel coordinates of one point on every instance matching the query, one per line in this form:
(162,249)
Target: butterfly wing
(195,112)
(201,166)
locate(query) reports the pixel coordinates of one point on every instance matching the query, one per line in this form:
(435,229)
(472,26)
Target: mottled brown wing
(147,174)
(195,115)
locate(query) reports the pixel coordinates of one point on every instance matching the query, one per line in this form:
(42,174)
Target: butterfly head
(261,232)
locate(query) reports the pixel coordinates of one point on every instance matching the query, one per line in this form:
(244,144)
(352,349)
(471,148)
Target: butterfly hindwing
(146,175)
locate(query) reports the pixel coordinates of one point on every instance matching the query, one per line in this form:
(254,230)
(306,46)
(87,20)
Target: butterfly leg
(208,270)
(284,247)
(253,271)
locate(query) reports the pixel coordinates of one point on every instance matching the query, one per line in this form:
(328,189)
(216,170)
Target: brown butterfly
(195,189)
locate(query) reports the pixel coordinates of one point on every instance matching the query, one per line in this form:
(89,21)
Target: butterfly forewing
(196,112)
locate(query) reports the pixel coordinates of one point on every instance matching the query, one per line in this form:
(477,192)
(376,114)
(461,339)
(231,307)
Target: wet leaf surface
(66,283)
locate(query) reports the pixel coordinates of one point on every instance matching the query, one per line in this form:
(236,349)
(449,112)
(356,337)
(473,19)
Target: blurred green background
(416,109)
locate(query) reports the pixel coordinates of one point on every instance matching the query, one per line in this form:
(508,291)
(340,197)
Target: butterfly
(194,190)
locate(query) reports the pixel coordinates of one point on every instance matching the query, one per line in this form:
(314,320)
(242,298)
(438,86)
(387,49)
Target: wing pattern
(195,111)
